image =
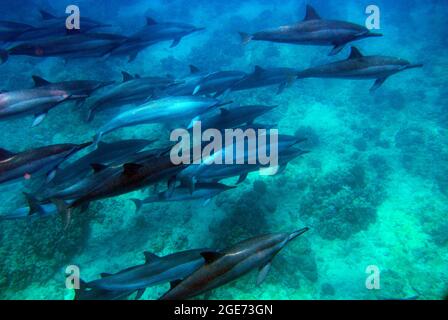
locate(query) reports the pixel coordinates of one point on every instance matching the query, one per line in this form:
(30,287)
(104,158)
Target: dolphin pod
(75,175)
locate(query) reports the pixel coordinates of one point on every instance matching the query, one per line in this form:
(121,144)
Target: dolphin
(225,266)
(132,90)
(79,45)
(34,101)
(152,33)
(25,164)
(233,116)
(262,77)
(207,170)
(160,111)
(204,191)
(76,89)
(188,83)
(155,270)
(84,293)
(314,30)
(105,154)
(360,67)
(218,83)
(10,30)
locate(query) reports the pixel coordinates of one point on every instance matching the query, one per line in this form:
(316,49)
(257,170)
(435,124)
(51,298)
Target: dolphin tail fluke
(138,204)
(245,37)
(4,55)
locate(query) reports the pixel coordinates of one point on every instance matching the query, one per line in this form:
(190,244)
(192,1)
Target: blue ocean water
(373,188)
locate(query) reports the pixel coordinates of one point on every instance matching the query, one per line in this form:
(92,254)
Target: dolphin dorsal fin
(39,81)
(210,256)
(130,169)
(355,53)
(311,14)
(5,154)
(150,21)
(150,257)
(46,15)
(98,167)
(258,70)
(194,69)
(126,76)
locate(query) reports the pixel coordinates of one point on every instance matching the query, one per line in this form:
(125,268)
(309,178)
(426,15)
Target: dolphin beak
(413,66)
(374,34)
(297,233)
(84,145)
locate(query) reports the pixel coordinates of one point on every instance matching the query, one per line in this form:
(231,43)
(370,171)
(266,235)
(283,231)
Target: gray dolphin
(314,30)
(227,265)
(360,67)
(218,83)
(10,30)
(263,77)
(132,90)
(160,111)
(24,164)
(34,101)
(204,191)
(154,271)
(152,33)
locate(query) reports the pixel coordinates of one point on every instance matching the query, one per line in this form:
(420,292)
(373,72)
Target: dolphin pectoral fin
(336,49)
(206,202)
(242,178)
(210,256)
(150,257)
(196,89)
(50,175)
(33,204)
(263,273)
(38,118)
(140,293)
(378,83)
(175,42)
(138,204)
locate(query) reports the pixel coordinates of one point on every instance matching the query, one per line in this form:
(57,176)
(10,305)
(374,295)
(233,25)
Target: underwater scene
(339,189)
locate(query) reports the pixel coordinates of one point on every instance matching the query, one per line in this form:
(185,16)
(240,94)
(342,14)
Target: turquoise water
(373,189)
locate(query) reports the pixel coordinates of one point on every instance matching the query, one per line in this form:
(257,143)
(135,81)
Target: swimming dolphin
(360,67)
(34,101)
(188,83)
(160,111)
(155,270)
(132,90)
(76,89)
(204,191)
(26,163)
(218,83)
(225,266)
(79,45)
(10,30)
(233,116)
(152,33)
(105,154)
(314,30)
(263,77)
(84,293)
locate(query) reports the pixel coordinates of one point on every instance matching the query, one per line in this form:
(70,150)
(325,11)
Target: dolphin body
(34,101)
(204,191)
(225,266)
(18,165)
(105,154)
(152,33)
(188,84)
(76,89)
(155,270)
(133,89)
(208,171)
(262,77)
(78,45)
(314,30)
(230,117)
(84,293)
(10,30)
(217,83)
(160,111)
(360,67)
